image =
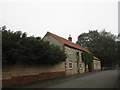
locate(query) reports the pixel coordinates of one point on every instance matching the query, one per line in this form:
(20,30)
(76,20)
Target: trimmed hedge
(17,48)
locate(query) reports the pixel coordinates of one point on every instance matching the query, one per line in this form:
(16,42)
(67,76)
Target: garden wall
(19,74)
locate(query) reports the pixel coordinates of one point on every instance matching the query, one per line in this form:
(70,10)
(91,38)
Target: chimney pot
(70,38)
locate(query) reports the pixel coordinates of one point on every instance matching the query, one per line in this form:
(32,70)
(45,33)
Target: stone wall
(53,40)
(72,58)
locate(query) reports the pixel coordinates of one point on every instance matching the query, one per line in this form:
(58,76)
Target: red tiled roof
(96,58)
(69,43)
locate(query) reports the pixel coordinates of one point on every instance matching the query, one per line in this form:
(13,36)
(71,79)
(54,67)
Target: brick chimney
(70,38)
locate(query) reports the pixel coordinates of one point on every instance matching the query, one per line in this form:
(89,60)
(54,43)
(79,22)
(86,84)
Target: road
(99,79)
(103,79)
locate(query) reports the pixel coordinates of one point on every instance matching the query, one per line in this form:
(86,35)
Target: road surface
(100,79)
(103,79)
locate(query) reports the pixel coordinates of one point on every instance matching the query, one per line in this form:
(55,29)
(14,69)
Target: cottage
(73,63)
(15,75)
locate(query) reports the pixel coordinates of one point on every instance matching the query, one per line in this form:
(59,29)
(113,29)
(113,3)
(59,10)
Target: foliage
(118,52)
(20,49)
(87,59)
(87,40)
(102,44)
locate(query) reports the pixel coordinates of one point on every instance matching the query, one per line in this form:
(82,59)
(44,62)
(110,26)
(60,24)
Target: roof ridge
(69,41)
(57,36)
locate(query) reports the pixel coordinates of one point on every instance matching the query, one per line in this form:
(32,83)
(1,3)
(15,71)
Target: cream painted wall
(19,70)
(97,65)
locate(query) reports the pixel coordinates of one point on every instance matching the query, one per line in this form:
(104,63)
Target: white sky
(61,17)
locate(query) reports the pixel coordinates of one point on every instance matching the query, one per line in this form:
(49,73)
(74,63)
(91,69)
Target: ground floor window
(80,66)
(70,65)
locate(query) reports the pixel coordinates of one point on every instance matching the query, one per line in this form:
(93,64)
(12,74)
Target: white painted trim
(69,65)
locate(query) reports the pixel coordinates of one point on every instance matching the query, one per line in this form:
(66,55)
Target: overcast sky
(61,17)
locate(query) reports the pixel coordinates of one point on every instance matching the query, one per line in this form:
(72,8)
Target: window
(70,65)
(78,54)
(80,66)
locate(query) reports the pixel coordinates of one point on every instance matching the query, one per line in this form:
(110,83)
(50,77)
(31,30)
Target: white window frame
(71,65)
(80,65)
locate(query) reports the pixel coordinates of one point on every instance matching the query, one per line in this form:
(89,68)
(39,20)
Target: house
(20,74)
(73,63)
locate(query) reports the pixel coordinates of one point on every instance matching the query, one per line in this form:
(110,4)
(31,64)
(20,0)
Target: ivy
(88,60)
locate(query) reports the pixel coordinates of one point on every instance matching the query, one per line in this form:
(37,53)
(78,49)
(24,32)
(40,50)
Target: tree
(102,44)
(20,49)
(87,40)
(118,49)
(10,44)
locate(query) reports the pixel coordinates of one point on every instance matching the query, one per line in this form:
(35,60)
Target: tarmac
(49,82)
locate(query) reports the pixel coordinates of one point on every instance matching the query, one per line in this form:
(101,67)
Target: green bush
(17,48)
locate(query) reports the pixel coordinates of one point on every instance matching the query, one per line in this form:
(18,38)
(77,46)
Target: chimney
(70,38)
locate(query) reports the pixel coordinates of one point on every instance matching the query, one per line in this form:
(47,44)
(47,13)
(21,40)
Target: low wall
(18,80)
(19,74)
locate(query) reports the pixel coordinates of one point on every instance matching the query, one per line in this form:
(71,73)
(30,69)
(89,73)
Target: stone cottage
(73,63)
(20,74)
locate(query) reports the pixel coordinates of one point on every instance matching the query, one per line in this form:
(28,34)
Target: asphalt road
(99,79)
(102,79)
